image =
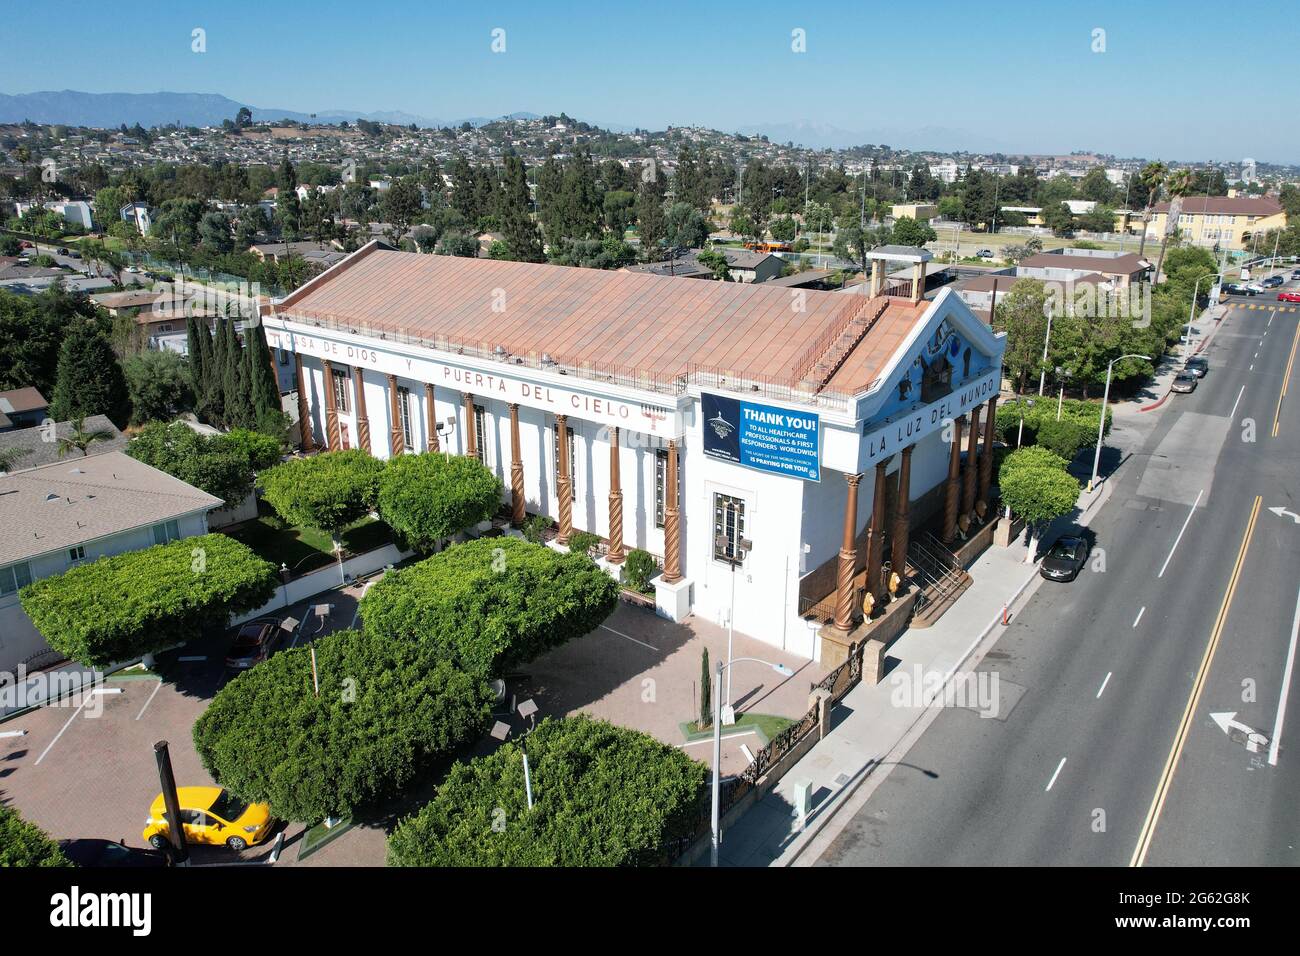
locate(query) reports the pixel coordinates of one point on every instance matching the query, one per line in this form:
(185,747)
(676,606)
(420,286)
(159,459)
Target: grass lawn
(767,725)
(305,549)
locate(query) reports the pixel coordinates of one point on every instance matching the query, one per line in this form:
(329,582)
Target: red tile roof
(1225,206)
(652,325)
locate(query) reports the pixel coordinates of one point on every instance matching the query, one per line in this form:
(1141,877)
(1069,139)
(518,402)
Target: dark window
(342,383)
(729,524)
(555,460)
(404,414)
(661,482)
(15,576)
(480,433)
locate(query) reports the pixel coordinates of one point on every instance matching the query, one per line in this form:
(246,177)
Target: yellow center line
(1277,416)
(1193,701)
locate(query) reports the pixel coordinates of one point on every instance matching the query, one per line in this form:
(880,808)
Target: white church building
(722,427)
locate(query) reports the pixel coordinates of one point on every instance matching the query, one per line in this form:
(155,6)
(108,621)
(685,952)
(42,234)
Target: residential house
(21,408)
(1222,221)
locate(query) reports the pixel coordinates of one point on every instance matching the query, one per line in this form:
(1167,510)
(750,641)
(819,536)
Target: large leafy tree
(384,712)
(212,463)
(327,492)
(159,384)
(1034,484)
(603,796)
(135,603)
(1022,314)
(25,844)
(89,381)
(431,497)
(492,603)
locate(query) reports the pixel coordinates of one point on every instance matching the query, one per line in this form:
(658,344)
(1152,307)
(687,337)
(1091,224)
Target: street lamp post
(1192,311)
(1101,424)
(717,744)
(741,550)
(1042,374)
(1020,432)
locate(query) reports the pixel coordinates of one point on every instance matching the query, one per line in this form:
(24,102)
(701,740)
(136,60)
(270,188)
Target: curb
(1196,351)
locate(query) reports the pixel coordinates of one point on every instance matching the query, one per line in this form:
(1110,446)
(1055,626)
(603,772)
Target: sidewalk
(869,730)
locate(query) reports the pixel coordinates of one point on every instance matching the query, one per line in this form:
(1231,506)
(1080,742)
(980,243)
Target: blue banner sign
(763,437)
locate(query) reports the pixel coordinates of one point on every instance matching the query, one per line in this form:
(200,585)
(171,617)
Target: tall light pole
(717,743)
(741,549)
(1042,373)
(1101,424)
(1192,311)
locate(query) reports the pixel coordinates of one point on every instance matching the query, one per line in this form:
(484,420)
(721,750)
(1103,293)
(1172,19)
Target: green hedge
(603,796)
(386,709)
(1082,414)
(582,542)
(327,492)
(431,497)
(26,844)
(121,607)
(492,603)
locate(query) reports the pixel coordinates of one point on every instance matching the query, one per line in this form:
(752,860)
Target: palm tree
(1179,185)
(10,455)
(81,439)
(1150,179)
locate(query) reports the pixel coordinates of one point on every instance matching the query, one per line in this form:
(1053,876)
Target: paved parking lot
(86,767)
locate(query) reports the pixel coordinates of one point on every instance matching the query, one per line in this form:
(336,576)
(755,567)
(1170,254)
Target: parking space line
(1139,617)
(1051,782)
(1102,689)
(84,698)
(632,639)
(149,701)
(1286,686)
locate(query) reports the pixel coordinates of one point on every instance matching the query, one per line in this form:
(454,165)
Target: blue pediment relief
(939,360)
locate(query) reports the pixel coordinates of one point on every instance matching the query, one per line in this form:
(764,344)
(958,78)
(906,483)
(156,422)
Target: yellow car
(210,815)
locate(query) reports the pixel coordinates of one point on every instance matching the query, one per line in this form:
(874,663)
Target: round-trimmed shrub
(327,492)
(583,542)
(386,710)
(1031,456)
(26,844)
(491,604)
(1065,437)
(431,497)
(120,607)
(603,796)
(638,568)
(535,528)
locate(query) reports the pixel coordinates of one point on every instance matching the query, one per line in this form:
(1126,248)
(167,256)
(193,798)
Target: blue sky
(1176,79)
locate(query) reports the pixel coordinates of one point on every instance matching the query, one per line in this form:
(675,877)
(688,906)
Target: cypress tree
(194,348)
(234,378)
(517,226)
(217,373)
(211,406)
(88,381)
(264,385)
(706,691)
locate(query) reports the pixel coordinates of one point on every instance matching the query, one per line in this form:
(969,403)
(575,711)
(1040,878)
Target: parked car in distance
(254,642)
(1184,382)
(1197,366)
(1065,559)
(1272,282)
(97,853)
(985,253)
(210,815)
(1236,288)
(63,250)
(1288,296)
(24,244)
(1295,273)
(1254,288)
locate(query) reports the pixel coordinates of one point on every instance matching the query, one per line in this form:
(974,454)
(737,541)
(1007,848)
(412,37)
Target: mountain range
(109,110)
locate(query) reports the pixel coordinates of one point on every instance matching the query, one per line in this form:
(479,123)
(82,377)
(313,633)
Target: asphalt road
(1100,755)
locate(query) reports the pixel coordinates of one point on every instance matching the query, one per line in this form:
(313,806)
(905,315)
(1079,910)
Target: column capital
(853,479)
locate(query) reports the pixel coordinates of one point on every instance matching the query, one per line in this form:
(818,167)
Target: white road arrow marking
(1283,513)
(1228,722)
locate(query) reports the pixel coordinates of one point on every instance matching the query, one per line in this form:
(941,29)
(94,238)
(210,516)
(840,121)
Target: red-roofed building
(679,417)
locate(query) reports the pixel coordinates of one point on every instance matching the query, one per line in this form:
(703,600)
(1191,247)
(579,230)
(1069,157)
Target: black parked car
(1065,560)
(1197,366)
(254,642)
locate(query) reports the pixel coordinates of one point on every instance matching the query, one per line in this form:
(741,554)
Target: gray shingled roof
(82,499)
(41,452)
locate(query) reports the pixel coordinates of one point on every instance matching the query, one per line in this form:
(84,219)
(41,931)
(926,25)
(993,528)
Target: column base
(833,643)
(672,601)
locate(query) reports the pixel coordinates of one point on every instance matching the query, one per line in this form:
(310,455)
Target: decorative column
(564,484)
(471,429)
(972,463)
(876,537)
(516,470)
(331,409)
(396,439)
(615,555)
(431,414)
(672,521)
(844,609)
(952,490)
(986,455)
(304,410)
(902,518)
(363,422)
